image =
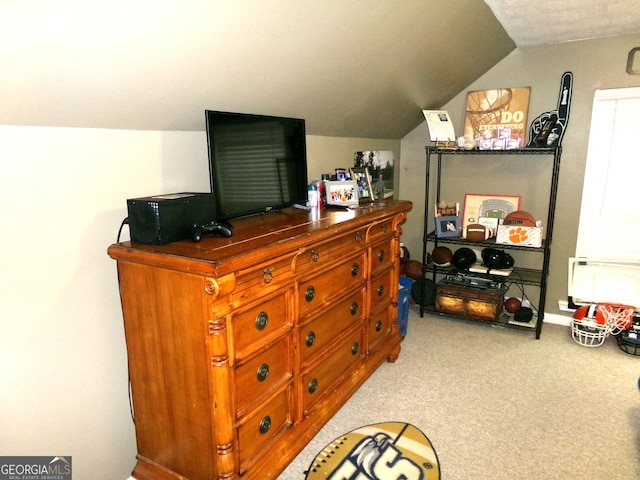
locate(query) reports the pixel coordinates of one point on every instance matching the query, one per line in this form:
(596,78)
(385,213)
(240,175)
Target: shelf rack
(526,276)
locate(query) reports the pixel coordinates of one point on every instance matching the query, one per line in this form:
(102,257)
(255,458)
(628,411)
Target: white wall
(63,373)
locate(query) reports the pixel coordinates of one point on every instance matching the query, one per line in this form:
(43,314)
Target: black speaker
(168,218)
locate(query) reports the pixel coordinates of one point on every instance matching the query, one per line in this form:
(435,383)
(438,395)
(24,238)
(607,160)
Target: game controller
(223,228)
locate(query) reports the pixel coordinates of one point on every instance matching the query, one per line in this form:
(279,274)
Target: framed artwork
(343,193)
(486,205)
(363,179)
(447,226)
(497,119)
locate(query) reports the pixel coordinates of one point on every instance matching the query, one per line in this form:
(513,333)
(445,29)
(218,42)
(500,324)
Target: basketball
(413,269)
(442,256)
(520,218)
(512,305)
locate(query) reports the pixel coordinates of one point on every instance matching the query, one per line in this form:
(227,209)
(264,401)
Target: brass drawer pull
(354,308)
(313,385)
(315,255)
(355,269)
(310,293)
(262,320)
(378,325)
(358,237)
(263,372)
(265,425)
(311,339)
(380,290)
(381,255)
(355,348)
(267,276)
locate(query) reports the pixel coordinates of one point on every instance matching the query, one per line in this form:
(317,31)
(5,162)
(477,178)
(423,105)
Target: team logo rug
(383,451)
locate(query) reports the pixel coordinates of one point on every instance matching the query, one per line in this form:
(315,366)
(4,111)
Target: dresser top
(257,238)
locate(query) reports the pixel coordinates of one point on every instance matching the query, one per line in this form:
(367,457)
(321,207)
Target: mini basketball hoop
(617,317)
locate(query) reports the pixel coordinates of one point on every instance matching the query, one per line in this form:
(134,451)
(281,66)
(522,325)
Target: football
(442,256)
(386,451)
(477,233)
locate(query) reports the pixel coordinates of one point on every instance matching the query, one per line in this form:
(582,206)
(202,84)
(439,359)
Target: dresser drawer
(325,254)
(379,230)
(263,426)
(324,330)
(254,326)
(315,292)
(382,289)
(321,378)
(380,323)
(381,256)
(261,279)
(262,373)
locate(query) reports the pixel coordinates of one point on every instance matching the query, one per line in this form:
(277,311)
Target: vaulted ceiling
(363,68)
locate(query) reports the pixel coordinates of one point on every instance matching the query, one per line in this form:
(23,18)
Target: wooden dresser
(240,349)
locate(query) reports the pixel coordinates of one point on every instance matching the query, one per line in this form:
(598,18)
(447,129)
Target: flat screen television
(257,163)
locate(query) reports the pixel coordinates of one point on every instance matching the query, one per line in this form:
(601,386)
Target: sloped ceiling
(363,68)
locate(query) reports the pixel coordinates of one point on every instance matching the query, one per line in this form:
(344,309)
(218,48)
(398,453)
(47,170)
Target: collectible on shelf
(548,128)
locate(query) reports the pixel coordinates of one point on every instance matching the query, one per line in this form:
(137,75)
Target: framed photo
(447,226)
(343,193)
(380,166)
(485,205)
(363,179)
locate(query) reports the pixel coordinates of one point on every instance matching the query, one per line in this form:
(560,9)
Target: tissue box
(518,235)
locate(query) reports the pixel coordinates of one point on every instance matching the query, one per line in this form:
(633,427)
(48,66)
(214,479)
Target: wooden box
(478,303)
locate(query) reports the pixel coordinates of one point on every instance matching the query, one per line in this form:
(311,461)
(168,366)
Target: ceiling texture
(557,21)
(357,68)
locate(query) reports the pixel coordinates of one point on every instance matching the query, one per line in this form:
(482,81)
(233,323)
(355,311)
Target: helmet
(463,258)
(589,313)
(629,340)
(588,326)
(494,258)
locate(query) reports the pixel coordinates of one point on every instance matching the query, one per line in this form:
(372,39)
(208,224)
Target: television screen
(257,163)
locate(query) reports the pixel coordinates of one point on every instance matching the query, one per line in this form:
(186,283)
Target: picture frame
(447,226)
(379,163)
(344,193)
(497,119)
(362,177)
(478,205)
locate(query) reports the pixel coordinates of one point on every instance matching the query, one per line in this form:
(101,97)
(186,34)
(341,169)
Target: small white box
(519,235)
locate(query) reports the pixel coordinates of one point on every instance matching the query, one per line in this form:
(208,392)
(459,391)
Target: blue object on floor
(404,295)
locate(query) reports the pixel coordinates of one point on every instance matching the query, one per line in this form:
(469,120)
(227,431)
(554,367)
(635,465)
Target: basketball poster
(497,119)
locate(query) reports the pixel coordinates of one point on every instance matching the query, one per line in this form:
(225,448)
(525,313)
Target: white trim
(557,319)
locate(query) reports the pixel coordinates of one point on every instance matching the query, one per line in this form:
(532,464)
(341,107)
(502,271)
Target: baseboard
(557,319)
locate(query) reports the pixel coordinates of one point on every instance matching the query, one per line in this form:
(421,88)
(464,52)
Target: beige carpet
(498,404)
